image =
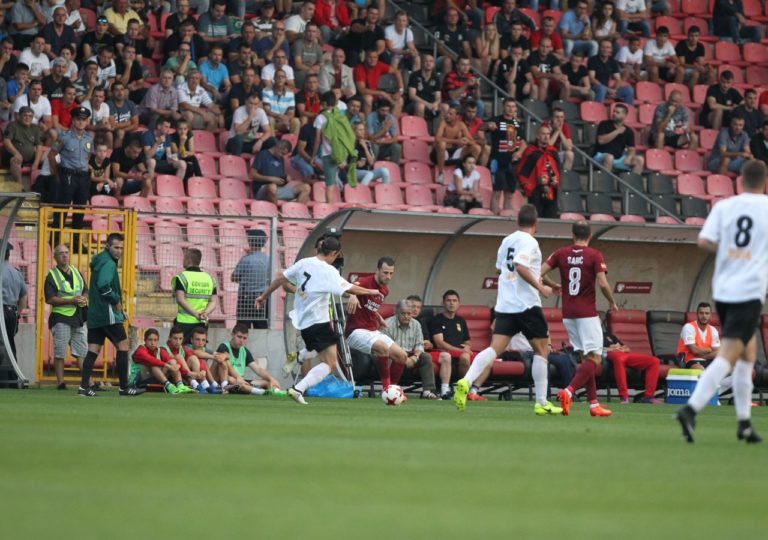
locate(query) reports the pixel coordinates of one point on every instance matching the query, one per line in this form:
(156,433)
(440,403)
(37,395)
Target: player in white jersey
(518,309)
(315,281)
(737,232)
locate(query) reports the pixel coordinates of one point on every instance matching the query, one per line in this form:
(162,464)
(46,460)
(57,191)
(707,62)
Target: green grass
(224,466)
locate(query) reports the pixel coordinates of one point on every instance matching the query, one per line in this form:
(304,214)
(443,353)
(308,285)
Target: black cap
(81,112)
(256,233)
(267,4)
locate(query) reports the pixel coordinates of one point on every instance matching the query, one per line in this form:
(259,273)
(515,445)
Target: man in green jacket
(106,317)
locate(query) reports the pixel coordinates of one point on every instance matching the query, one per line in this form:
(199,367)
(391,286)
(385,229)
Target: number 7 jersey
(739,227)
(315,281)
(515,294)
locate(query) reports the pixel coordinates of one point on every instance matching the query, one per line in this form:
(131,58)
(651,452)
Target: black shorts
(739,321)
(504,177)
(114,333)
(530,322)
(319,337)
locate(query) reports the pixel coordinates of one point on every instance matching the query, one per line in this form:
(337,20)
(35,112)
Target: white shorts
(75,337)
(586,334)
(363,340)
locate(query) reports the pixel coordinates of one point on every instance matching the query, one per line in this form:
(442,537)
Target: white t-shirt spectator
(97,117)
(198,98)
(631,6)
(625,56)
(268,72)
(104,74)
(467,182)
(325,146)
(399,41)
(39,109)
(295,23)
(37,64)
(259,121)
(659,55)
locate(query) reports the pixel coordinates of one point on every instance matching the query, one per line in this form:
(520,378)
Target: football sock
(593,404)
(591,385)
(205,385)
(167,384)
(180,384)
(224,384)
(445,388)
(742,389)
(215,384)
(382,366)
(540,376)
(315,375)
(726,384)
(473,389)
(479,364)
(708,382)
(396,372)
(258,391)
(194,384)
(122,368)
(584,372)
(88,362)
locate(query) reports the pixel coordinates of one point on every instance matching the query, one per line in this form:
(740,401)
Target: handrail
(497,90)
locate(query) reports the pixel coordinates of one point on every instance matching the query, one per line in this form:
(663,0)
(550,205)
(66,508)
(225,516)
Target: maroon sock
(591,384)
(396,371)
(382,366)
(584,373)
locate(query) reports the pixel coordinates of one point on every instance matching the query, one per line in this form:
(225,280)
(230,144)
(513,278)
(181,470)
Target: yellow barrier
(102,223)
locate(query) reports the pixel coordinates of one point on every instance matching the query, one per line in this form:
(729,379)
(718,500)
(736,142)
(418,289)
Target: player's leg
(474,390)
(445,369)
(540,368)
(484,359)
(650,366)
(390,357)
(742,393)
(321,338)
(586,335)
(95,343)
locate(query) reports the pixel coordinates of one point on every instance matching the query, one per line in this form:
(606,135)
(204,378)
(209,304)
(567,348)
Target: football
(393,395)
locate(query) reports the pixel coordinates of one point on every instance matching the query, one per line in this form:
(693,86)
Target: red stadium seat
(448,210)
(753,11)
(170,186)
(202,188)
(697,221)
(645,113)
(707,138)
(571,216)
(263,209)
(479,325)
(415,150)
(323,210)
(232,234)
(151,68)
(629,325)
(755,53)
(480,212)
(295,210)
(601,217)
(719,185)
(632,219)
(675,26)
(593,112)
(415,127)
(690,184)
(232,207)
(660,161)
(556,14)
(389,195)
(420,195)
(683,89)
(105,201)
(758,75)
(557,332)
(146,258)
(138,203)
(168,232)
(394,170)
(233,167)
(198,232)
(205,142)
(695,7)
(358,195)
(201,207)
(700,93)
(89,18)
(728,53)
(690,161)
(291,138)
(232,188)
(207,165)
(169,205)
(648,92)
(417,173)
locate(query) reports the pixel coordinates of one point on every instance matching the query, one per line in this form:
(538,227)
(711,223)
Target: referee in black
(72,179)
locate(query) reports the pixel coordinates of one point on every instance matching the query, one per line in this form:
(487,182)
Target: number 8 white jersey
(515,294)
(739,226)
(315,281)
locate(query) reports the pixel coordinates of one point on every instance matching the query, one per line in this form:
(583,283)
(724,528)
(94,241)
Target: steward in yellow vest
(195,293)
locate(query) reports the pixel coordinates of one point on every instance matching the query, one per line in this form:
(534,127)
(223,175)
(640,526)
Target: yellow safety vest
(65,290)
(198,289)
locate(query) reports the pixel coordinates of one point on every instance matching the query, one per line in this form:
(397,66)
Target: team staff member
(73,180)
(195,292)
(106,317)
(14,298)
(67,294)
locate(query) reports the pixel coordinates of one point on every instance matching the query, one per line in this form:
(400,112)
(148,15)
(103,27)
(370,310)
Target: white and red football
(393,395)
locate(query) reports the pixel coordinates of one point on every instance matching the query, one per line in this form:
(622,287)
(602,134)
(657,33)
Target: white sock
(726,384)
(205,385)
(315,375)
(305,355)
(445,388)
(479,364)
(540,379)
(224,384)
(194,384)
(742,389)
(215,384)
(180,384)
(708,383)
(257,391)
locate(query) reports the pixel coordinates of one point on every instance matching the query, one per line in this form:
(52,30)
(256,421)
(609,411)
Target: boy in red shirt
(159,364)
(192,369)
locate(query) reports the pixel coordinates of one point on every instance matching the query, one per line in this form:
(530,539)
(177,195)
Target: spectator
(606,23)
(548,78)
(576,28)
(486,51)
(301,159)
(8,60)
(461,86)
(22,144)
(71,70)
(129,169)
(125,117)
(539,173)
(215,76)
(19,86)
(366,34)
(423,98)
(690,57)
(731,148)
(753,118)
(215,26)
(578,77)
(366,173)
(561,138)
(27,20)
(672,124)
(252,274)
(106,71)
(762,104)
(622,357)
(630,60)
(308,101)
(244,58)
(332,17)
(699,341)
(331,127)
(507,145)
(514,38)
(660,58)
(35,58)
(57,34)
(450,335)
(634,15)
(160,101)
(279,61)
(54,83)
(101,120)
(248,87)
(382,132)
(97,39)
(452,141)
(337,73)
(730,24)
(279,102)
(470,12)
(61,109)
(296,24)
(463,192)
(181,64)
(615,148)
(143,45)
(177,18)
(157,151)
(250,128)
(515,76)
(118,16)
(401,48)
(307,54)
(247,40)
(183,145)
(100,167)
(198,49)
(452,40)
(758,145)
(605,76)
(407,333)
(354,110)
(508,15)
(128,71)
(721,99)
(268,175)
(477,130)
(40,105)
(548,30)
(367,76)
(266,19)
(197,106)
(74,18)
(267,46)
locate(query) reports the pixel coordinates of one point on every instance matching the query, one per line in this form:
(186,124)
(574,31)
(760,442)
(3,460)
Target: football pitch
(160,466)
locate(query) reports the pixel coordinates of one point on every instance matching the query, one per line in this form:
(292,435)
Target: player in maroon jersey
(364,323)
(580,268)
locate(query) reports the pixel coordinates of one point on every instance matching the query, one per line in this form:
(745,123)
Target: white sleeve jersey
(739,227)
(315,281)
(515,295)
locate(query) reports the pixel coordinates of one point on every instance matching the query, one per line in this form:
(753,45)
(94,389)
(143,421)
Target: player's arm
(352,303)
(605,288)
(279,281)
(525,273)
(546,269)
(264,374)
(707,245)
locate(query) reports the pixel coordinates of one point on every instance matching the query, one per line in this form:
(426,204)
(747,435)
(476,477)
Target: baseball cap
(81,112)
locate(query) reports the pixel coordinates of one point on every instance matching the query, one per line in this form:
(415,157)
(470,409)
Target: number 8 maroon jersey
(579,266)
